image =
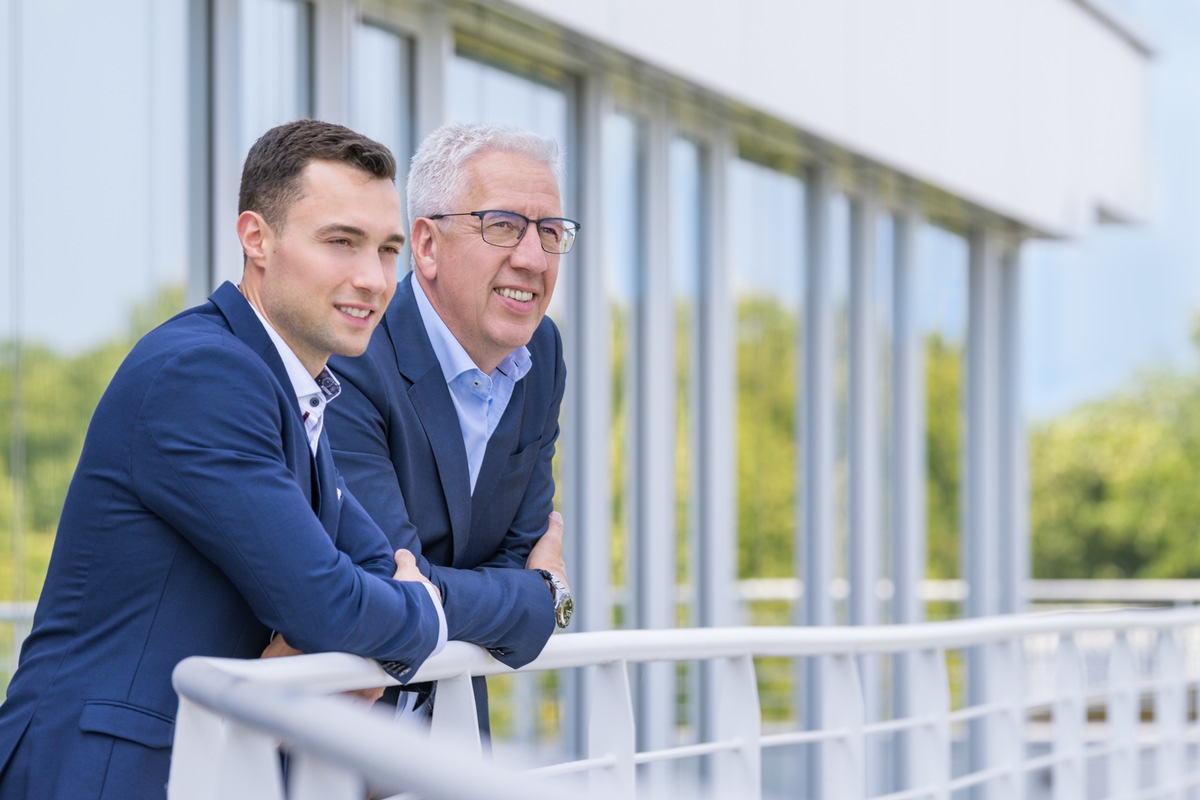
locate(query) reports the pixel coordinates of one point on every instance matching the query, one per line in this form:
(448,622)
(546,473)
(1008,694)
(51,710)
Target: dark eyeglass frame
(570,228)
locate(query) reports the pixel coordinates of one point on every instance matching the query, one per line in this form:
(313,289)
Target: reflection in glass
(686,250)
(942,316)
(882,300)
(840,210)
(622,198)
(768,219)
(380,91)
(276,65)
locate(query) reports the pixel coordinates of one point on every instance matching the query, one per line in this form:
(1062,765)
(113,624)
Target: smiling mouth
(357,313)
(515,294)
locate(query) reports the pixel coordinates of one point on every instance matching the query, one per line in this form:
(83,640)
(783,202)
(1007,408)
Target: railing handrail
(277,696)
(274,708)
(568,650)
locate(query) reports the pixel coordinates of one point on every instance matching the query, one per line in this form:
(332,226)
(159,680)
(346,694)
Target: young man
(205,512)
(449,421)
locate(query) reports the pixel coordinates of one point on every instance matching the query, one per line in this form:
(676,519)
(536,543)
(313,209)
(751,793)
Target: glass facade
(768,224)
(657,234)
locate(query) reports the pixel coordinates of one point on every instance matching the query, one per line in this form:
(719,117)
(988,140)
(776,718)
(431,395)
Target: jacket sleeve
(211,436)
(498,605)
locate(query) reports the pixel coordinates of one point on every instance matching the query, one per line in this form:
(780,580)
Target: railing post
(455,719)
(217,759)
(311,777)
(1122,719)
(195,759)
(842,713)
(611,732)
(1170,716)
(1070,714)
(249,766)
(737,716)
(1004,735)
(928,745)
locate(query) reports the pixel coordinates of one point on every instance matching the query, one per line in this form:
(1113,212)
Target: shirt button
(314,402)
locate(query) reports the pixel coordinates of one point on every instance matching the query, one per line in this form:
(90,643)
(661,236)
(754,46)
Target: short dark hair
(271,174)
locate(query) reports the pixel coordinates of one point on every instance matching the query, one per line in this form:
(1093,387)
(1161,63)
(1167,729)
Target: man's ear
(424,247)
(254,234)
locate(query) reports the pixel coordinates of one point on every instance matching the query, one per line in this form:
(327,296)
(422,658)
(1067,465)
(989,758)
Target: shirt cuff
(441,613)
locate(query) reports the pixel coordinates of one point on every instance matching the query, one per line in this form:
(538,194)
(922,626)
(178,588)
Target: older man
(449,421)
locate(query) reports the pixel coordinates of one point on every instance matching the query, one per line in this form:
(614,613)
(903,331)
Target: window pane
(381,100)
(68,315)
(882,297)
(622,199)
(276,65)
(839,297)
(380,91)
(942,317)
(768,221)
(686,252)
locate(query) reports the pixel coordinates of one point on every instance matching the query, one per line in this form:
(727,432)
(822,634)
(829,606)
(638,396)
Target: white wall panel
(1030,108)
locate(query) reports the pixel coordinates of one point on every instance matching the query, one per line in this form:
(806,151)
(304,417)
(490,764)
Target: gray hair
(437,178)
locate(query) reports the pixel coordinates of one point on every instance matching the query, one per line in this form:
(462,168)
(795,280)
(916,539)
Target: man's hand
(406,570)
(278,647)
(547,553)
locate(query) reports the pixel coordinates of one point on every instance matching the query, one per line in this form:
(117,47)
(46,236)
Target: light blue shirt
(479,399)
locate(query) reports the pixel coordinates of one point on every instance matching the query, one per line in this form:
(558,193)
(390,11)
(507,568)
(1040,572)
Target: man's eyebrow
(338,227)
(354,232)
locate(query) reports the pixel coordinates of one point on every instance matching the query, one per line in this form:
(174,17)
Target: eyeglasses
(506,228)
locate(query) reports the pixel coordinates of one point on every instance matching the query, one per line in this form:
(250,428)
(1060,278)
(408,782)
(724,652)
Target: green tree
(50,397)
(766,435)
(943,450)
(1113,489)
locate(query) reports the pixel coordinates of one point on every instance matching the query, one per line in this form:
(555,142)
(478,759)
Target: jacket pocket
(127,721)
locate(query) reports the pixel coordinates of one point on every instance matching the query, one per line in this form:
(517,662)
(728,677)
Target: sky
(1122,299)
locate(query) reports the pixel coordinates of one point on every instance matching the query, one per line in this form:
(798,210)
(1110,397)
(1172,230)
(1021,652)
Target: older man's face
(493,298)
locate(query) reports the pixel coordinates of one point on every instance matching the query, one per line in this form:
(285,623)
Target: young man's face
(327,273)
(492,298)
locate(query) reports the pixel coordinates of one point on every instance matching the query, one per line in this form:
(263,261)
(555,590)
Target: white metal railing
(1093,704)
(18,615)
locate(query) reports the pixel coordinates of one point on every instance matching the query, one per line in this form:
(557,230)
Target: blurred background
(882,310)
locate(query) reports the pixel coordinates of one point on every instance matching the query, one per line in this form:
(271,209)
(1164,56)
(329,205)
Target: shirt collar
(303,384)
(451,356)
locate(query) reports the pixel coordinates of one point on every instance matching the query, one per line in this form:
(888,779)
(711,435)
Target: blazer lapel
(325,499)
(245,325)
(430,398)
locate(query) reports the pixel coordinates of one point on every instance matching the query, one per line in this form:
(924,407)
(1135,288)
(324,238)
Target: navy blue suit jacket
(197,522)
(397,440)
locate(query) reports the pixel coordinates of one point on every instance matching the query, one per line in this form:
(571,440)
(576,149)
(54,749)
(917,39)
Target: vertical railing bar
(611,731)
(1170,716)
(1122,718)
(1070,716)
(738,715)
(842,710)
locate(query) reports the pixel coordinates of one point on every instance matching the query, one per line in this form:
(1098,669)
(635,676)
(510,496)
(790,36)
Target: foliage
(943,452)
(1114,485)
(766,436)
(50,397)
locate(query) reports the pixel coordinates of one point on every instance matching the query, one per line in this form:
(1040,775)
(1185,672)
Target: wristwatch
(564,604)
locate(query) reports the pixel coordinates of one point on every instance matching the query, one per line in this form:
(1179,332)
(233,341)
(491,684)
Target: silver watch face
(563,611)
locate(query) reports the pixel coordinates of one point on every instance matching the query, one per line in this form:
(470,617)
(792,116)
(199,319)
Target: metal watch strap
(564,604)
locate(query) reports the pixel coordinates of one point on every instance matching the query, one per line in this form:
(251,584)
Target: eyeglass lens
(504,229)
